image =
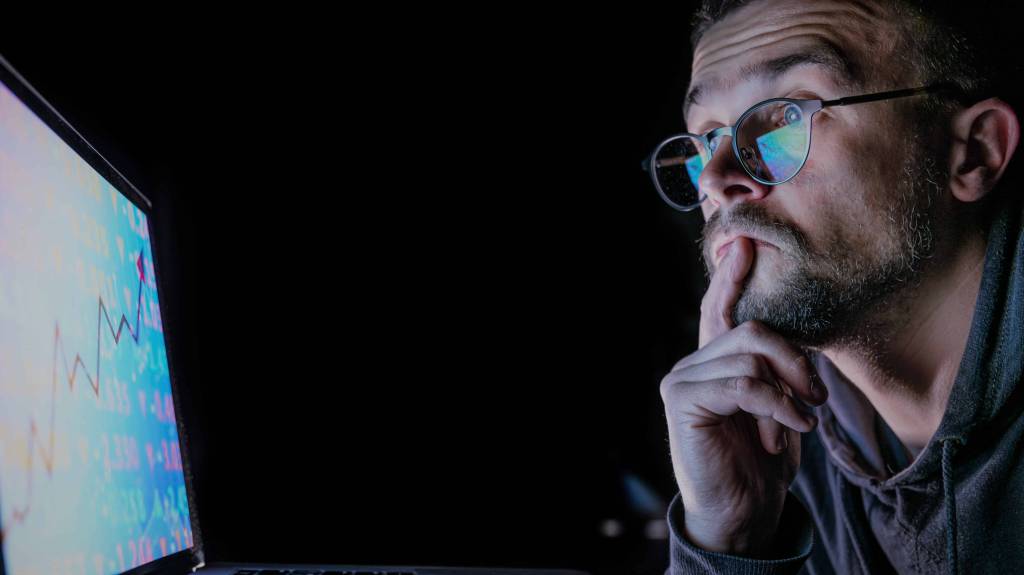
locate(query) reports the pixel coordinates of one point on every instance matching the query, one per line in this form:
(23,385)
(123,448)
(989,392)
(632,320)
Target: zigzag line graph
(46,451)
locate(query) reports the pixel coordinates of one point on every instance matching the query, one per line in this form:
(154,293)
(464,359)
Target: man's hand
(733,423)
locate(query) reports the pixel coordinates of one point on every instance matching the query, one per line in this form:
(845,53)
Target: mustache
(753,219)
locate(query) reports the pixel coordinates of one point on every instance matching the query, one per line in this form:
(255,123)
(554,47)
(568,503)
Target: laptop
(94,466)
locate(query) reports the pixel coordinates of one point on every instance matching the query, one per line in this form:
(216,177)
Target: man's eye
(793,114)
(790,114)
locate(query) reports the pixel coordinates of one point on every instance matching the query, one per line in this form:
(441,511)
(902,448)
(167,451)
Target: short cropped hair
(935,43)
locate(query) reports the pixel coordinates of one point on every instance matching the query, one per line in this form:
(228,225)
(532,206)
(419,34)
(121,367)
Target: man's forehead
(828,60)
(767,38)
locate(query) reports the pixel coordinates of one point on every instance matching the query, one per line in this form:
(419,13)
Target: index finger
(724,290)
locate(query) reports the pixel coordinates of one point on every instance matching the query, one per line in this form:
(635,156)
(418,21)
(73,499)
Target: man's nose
(725,181)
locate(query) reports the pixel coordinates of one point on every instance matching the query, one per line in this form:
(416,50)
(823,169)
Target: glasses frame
(809,108)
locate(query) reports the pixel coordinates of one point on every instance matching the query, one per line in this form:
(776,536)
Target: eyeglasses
(771,140)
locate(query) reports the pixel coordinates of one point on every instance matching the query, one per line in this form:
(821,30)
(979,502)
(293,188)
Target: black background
(419,292)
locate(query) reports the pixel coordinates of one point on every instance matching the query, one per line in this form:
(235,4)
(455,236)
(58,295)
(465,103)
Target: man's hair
(930,47)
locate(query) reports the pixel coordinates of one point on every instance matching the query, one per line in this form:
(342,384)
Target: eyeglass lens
(772,141)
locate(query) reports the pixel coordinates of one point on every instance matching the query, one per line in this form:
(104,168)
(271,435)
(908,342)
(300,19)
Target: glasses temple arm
(887,95)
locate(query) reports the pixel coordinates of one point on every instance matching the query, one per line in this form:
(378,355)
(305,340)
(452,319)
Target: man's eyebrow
(825,55)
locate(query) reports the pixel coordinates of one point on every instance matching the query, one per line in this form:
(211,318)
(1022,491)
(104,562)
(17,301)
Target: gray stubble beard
(853,301)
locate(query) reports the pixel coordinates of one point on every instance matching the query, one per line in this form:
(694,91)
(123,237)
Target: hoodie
(859,505)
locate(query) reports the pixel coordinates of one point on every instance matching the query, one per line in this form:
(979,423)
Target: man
(853,405)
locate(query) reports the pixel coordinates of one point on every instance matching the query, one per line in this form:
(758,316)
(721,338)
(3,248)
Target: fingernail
(783,442)
(726,261)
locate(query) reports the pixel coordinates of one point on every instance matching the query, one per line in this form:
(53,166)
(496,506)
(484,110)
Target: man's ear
(983,141)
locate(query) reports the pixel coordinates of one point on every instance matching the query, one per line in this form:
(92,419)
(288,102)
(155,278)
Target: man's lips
(724,246)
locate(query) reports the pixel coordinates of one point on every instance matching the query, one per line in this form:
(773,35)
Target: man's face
(856,223)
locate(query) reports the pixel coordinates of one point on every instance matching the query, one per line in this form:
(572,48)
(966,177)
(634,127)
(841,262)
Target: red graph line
(18,515)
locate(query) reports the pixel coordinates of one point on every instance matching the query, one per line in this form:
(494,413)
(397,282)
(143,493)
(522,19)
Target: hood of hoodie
(984,400)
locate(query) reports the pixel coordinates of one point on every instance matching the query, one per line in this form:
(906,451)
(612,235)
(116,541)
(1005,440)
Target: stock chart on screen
(91,477)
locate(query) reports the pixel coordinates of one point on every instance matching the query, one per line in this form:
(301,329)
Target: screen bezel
(187,559)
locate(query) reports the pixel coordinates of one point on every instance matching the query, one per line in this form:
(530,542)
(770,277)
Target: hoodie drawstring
(949,491)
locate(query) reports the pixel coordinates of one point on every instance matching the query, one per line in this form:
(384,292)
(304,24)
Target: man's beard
(843,294)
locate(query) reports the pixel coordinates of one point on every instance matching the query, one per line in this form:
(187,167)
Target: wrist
(753,539)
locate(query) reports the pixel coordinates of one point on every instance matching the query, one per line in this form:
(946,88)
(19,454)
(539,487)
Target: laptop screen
(91,477)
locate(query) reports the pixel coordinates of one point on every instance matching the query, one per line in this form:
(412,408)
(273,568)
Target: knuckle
(755,329)
(665,387)
(803,364)
(743,384)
